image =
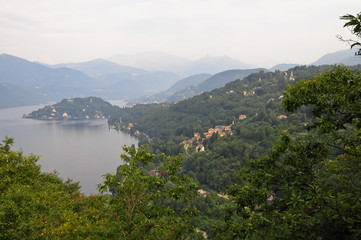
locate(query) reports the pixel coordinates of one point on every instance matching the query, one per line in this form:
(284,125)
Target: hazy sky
(259,32)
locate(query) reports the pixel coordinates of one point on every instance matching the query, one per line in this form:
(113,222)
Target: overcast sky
(258,32)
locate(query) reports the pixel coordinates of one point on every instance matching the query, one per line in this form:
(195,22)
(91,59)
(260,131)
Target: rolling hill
(178,86)
(35,83)
(159,61)
(120,81)
(186,90)
(346,57)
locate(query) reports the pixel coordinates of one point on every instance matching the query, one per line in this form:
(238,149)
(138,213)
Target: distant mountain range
(283,67)
(100,67)
(119,81)
(158,61)
(196,84)
(189,81)
(346,57)
(28,74)
(12,95)
(215,81)
(182,84)
(25,83)
(213,65)
(220,79)
(152,61)
(162,77)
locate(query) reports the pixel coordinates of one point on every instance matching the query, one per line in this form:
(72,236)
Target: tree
(35,205)
(307,188)
(150,206)
(354,23)
(6,146)
(334,98)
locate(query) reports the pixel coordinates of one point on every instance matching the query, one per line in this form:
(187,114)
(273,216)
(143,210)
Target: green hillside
(258,169)
(257,96)
(75,108)
(270,156)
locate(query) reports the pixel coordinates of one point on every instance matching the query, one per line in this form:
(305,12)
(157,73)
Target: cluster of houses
(220,130)
(51,113)
(249,93)
(54,115)
(65,116)
(130,126)
(197,138)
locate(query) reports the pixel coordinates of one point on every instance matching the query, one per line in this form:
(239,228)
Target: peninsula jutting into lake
(74,108)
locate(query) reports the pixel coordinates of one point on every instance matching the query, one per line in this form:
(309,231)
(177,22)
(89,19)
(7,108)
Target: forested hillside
(293,134)
(275,155)
(251,107)
(308,186)
(286,167)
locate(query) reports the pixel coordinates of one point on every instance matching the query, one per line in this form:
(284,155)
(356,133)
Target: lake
(82,150)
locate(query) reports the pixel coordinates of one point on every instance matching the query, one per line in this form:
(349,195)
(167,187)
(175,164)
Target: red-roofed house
(241,117)
(282,117)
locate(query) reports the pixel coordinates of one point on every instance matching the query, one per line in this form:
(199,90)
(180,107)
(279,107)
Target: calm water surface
(82,150)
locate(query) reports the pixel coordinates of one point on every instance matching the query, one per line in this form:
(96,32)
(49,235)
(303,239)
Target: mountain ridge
(159,61)
(346,57)
(40,82)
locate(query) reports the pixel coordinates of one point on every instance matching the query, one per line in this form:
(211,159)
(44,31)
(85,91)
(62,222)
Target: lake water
(82,150)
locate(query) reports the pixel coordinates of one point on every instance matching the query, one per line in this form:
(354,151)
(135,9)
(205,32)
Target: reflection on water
(82,150)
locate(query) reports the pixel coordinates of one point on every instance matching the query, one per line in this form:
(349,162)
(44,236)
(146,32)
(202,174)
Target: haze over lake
(82,150)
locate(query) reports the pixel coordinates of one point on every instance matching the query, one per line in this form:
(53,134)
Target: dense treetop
(307,187)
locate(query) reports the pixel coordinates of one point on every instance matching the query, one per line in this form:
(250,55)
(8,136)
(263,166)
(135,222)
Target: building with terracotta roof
(241,117)
(282,117)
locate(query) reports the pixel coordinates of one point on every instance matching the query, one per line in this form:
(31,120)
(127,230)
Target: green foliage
(354,23)
(306,188)
(164,127)
(211,211)
(278,196)
(334,98)
(35,205)
(7,143)
(76,108)
(150,206)
(216,170)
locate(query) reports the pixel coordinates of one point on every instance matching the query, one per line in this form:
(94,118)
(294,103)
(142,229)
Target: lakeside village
(197,139)
(54,115)
(72,109)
